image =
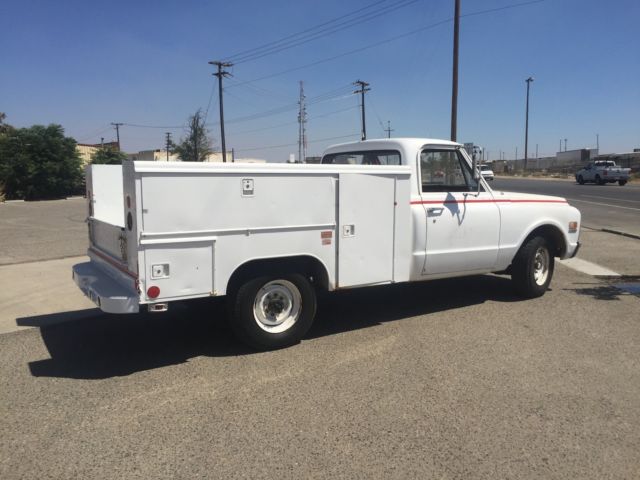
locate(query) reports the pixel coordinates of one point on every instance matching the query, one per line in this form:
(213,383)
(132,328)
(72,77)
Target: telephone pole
(220,74)
(117,125)
(302,131)
(526,126)
(168,143)
(454,86)
(389,129)
(565,144)
(363,88)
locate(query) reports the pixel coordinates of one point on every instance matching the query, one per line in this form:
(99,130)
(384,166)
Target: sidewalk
(41,293)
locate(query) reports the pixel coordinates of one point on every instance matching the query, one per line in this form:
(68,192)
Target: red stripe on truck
(441,202)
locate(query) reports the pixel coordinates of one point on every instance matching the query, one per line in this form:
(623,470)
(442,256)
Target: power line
(286,45)
(388,40)
(302,32)
(309,119)
(294,144)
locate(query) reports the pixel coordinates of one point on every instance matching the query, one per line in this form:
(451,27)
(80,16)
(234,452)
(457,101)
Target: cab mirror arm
(476,173)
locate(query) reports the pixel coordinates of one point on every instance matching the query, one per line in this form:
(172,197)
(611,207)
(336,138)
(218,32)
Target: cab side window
(445,170)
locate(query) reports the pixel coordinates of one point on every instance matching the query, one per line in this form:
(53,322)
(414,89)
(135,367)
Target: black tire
(526,274)
(622,182)
(599,181)
(253,331)
(580,180)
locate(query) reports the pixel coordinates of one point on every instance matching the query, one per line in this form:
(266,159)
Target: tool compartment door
(365,229)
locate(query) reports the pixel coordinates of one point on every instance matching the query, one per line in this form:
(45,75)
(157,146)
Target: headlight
(573,227)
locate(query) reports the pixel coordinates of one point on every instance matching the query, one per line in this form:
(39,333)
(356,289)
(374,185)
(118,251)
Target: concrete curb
(617,232)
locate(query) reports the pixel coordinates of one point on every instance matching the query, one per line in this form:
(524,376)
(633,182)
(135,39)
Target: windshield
(485,168)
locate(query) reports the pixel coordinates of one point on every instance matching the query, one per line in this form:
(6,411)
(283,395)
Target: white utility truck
(269,236)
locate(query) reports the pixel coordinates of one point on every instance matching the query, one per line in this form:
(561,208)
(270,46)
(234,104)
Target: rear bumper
(109,295)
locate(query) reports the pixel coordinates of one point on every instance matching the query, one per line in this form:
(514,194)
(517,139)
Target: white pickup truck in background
(603,171)
(269,236)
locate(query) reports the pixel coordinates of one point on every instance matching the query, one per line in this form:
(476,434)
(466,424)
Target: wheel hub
(277,306)
(541,266)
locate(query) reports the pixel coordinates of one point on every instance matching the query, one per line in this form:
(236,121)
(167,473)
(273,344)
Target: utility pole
(389,129)
(233,155)
(363,88)
(526,126)
(454,86)
(565,144)
(560,145)
(117,125)
(302,131)
(516,154)
(102,143)
(598,142)
(220,74)
(168,143)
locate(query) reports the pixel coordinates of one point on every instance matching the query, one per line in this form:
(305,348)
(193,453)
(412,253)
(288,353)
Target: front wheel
(532,268)
(599,180)
(273,311)
(580,180)
(622,182)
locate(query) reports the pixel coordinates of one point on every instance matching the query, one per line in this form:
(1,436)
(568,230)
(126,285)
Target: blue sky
(85,64)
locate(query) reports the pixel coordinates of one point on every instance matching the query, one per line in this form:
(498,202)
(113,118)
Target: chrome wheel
(277,306)
(541,262)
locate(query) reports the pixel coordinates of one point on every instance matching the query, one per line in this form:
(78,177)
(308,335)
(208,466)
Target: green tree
(196,145)
(39,162)
(108,156)
(4,127)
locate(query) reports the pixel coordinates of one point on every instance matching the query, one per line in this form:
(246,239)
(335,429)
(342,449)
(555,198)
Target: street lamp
(526,126)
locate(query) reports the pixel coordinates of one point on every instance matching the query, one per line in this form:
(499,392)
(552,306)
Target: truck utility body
(268,236)
(603,171)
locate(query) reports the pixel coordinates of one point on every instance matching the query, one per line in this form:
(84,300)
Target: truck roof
(409,143)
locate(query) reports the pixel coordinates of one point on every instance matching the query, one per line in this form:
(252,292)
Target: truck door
(463,227)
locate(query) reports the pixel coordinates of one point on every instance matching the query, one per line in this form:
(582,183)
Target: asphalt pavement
(32,231)
(453,378)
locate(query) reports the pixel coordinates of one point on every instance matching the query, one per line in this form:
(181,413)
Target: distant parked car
(486,172)
(601,172)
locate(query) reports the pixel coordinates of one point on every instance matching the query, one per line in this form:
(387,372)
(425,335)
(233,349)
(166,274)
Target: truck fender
(305,264)
(552,231)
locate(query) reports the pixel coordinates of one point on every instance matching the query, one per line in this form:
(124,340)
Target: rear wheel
(622,182)
(532,268)
(273,311)
(580,180)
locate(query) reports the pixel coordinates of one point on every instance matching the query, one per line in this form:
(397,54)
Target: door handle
(434,211)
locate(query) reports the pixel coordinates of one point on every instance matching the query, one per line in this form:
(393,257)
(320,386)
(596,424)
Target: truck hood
(526,197)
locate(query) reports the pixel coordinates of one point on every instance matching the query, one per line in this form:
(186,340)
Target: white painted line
(603,204)
(587,267)
(611,198)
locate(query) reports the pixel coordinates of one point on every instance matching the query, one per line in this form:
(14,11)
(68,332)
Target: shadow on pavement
(117,345)
(610,291)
